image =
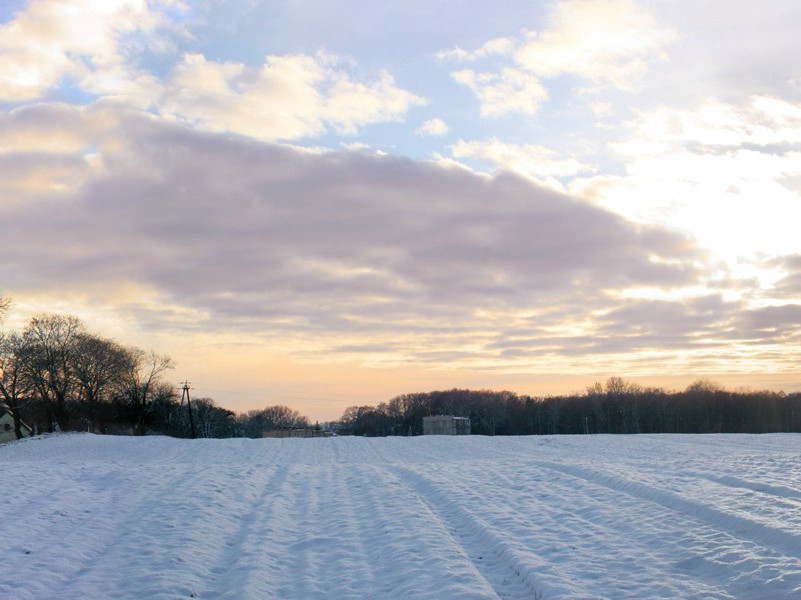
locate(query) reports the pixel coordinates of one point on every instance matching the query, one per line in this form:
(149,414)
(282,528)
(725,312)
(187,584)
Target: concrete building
(296,433)
(446,425)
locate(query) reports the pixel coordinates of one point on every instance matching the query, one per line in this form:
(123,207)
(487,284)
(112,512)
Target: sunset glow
(323,204)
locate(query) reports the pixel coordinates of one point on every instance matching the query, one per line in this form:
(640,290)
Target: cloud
(85,41)
(729,51)
(96,49)
(502,45)
(53,128)
(509,90)
(722,170)
(788,283)
(289,97)
(537,163)
(337,246)
(433,127)
(601,42)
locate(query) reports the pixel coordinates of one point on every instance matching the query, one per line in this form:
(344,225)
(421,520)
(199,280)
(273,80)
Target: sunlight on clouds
(115,310)
(96,47)
(446,162)
(53,39)
(348,252)
(351,104)
(603,41)
(21,178)
(720,172)
(330,269)
(433,127)
(759,120)
(502,45)
(289,97)
(534,162)
(653,293)
(510,90)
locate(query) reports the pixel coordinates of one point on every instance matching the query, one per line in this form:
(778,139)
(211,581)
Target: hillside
(426,517)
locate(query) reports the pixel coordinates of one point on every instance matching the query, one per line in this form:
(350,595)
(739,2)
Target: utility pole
(185,394)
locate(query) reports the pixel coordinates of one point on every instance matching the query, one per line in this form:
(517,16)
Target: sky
(323,204)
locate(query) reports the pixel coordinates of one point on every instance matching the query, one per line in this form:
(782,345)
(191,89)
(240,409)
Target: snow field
(429,517)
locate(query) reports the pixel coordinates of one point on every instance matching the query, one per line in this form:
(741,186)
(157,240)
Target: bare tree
(212,420)
(704,386)
(5,304)
(256,422)
(13,385)
(51,345)
(143,374)
(99,367)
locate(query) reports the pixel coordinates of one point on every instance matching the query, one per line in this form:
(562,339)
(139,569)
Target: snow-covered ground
(85,516)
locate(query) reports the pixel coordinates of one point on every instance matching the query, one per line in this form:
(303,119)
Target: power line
(185,394)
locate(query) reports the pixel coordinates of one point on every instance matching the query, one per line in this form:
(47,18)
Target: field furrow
(571,517)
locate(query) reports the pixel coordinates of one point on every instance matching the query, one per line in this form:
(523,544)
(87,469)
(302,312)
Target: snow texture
(690,517)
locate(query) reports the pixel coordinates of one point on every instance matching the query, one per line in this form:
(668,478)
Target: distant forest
(617,406)
(56,376)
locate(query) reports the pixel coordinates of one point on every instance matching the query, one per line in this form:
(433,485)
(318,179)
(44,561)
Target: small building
(7,427)
(446,425)
(296,433)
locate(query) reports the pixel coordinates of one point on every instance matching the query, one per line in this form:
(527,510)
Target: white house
(7,427)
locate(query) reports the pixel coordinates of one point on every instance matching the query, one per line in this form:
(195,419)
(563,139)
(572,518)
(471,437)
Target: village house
(7,427)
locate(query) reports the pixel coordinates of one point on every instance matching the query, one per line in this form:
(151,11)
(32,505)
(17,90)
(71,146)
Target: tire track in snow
(593,537)
(305,540)
(128,512)
(502,563)
(738,527)
(780,491)
(342,483)
(330,556)
(232,574)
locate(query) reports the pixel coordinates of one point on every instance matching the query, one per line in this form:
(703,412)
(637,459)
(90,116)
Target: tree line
(617,406)
(57,376)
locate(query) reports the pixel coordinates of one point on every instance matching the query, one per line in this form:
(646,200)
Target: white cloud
(509,90)
(534,162)
(289,97)
(729,173)
(96,46)
(603,41)
(433,127)
(502,45)
(355,146)
(81,39)
(350,104)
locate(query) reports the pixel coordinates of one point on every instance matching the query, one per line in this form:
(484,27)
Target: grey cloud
(253,235)
(626,327)
(788,286)
(204,213)
(696,316)
(769,323)
(265,238)
(736,52)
